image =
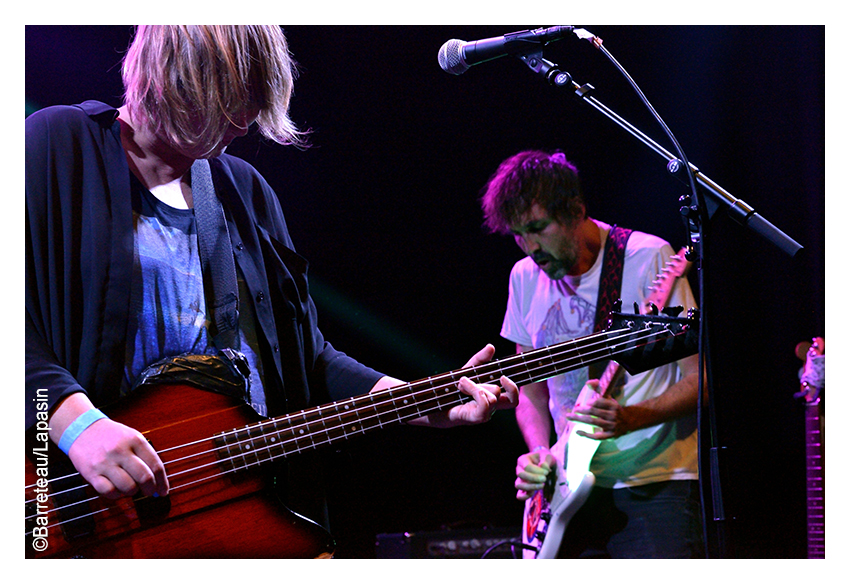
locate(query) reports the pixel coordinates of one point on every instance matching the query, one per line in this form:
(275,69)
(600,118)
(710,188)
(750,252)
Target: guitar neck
(811,387)
(660,291)
(341,420)
(641,342)
(815,494)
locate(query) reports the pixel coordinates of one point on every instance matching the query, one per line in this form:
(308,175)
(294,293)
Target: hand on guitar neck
(486,397)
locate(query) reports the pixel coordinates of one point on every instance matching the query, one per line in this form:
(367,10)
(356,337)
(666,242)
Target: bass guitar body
(211,511)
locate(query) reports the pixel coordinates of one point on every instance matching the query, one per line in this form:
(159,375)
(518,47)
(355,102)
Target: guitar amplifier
(466,543)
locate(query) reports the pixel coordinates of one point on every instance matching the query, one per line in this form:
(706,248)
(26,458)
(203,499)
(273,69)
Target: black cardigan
(79,240)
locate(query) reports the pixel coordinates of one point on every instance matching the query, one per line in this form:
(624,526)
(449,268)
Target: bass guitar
(548,512)
(221,504)
(812,384)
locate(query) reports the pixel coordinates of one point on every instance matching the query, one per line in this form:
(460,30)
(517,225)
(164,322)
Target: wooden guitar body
(211,511)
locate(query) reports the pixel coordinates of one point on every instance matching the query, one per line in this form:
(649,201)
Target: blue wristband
(72,432)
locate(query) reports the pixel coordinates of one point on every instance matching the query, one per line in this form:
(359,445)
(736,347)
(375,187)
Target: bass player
(113,279)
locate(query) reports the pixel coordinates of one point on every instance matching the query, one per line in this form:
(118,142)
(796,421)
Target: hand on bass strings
(114,459)
(486,397)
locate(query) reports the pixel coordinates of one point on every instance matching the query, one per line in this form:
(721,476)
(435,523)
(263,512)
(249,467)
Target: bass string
(383,397)
(314,445)
(111,509)
(393,394)
(459,399)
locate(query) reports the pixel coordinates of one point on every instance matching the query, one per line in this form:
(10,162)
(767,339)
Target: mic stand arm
(717,197)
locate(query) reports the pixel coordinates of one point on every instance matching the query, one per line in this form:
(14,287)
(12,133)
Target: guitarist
(645,501)
(113,279)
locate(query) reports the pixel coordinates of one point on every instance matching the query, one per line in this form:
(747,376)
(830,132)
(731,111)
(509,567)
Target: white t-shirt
(542,312)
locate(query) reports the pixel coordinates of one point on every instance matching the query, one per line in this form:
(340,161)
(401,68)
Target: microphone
(457,56)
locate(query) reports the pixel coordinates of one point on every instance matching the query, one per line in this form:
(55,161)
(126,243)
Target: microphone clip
(546,69)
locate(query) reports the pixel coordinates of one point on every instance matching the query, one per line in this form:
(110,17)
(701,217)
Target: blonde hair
(188,84)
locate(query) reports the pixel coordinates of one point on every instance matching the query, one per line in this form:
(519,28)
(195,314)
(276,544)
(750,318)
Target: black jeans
(658,520)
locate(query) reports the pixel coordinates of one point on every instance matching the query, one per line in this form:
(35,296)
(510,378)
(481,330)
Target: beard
(554,268)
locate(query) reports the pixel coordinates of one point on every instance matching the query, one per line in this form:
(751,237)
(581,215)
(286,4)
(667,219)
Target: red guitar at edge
(811,386)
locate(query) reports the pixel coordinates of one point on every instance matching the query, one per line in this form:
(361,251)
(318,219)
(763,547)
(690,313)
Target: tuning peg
(673,311)
(653,310)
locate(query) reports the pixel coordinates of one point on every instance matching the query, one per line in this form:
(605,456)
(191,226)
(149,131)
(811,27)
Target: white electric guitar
(548,512)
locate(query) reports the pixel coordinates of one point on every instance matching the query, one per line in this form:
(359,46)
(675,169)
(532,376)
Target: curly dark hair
(532,176)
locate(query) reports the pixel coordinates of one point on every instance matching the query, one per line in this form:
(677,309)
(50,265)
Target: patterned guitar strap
(610,284)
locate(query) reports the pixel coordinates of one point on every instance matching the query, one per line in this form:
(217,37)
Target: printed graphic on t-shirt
(559,326)
(562,325)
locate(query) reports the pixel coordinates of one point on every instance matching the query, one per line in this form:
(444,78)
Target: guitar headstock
(652,340)
(813,376)
(676,266)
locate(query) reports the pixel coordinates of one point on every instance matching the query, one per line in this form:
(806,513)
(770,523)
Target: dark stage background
(385,207)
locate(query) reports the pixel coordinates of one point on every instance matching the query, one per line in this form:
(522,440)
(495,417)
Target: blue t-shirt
(168,314)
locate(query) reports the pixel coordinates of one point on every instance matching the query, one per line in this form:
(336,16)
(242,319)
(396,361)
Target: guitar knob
(540,536)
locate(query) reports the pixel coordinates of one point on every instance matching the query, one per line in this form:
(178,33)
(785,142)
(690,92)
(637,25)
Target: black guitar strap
(611,278)
(217,264)
(610,284)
